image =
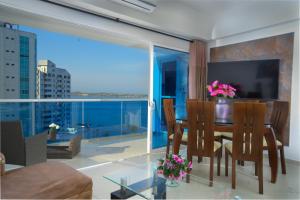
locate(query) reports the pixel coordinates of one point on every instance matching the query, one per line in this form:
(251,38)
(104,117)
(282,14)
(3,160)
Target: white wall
(293,151)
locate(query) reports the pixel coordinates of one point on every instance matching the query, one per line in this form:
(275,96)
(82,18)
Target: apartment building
(17,63)
(52,82)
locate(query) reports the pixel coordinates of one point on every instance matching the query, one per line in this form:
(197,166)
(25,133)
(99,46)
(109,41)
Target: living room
(116,141)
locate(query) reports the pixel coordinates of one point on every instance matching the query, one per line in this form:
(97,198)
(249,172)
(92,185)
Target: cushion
(228,146)
(277,142)
(226,134)
(50,180)
(217,145)
(184,137)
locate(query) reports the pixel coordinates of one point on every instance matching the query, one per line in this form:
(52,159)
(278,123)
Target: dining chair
(278,121)
(172,126)
(201,141)
(247,138)
(228,135)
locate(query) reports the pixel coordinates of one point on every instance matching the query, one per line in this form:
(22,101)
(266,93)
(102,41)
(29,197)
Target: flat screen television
(253,79)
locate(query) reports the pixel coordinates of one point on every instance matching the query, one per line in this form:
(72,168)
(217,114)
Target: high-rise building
(52,82)
(17,63)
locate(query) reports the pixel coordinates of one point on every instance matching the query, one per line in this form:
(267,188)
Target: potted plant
(52,131)
(223,95)
(173,168)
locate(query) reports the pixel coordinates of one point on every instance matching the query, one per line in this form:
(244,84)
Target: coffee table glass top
(141,180)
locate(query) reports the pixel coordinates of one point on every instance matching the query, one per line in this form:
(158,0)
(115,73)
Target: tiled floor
(103,157)
(103,150)
(287,186)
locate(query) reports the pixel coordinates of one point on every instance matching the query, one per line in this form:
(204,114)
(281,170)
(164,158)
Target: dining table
(227,126)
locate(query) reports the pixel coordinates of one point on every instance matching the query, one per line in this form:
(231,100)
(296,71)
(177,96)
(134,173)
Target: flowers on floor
(174,167)
(217,89)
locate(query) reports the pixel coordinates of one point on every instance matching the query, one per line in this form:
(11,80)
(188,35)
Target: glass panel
(170,80)
(91,119)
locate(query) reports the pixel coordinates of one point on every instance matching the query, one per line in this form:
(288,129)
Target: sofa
(49,180)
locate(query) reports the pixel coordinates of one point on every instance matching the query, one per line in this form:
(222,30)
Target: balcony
(110,129)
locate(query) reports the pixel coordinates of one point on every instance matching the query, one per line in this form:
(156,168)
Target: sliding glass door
(170,80)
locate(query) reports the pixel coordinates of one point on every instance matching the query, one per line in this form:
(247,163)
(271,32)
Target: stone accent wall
(276,47)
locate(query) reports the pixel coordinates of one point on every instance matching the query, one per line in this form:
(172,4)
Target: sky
(95,66)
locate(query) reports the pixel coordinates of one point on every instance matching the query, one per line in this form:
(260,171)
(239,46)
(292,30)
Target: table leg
(272,150)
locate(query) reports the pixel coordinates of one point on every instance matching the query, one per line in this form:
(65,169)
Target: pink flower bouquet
(174,167)
(217,89)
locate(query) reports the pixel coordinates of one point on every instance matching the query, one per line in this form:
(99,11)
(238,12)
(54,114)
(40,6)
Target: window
(24,67)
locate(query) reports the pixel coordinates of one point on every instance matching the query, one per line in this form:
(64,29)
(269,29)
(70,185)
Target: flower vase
(223,109)
(172,182)
(52,133)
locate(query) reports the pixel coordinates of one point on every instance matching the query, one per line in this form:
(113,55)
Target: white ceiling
(201,19)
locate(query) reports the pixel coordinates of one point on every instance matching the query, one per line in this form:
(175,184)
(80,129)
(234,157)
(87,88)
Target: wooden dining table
(228,127)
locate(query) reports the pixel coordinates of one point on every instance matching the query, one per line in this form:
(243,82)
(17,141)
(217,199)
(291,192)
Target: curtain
(197,70)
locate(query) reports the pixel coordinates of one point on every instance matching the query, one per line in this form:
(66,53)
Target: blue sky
(95,66)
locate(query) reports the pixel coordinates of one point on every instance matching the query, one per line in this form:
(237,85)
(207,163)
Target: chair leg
(233,174)
(255,168)
(242,163)
(211,171)
(282,159)
(200,159)
(260,176)
(226,163)
(219,161)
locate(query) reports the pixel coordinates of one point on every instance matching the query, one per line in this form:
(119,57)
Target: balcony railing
(93,118)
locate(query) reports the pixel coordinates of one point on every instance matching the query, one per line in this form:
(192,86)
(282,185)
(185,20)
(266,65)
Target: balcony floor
(107,149)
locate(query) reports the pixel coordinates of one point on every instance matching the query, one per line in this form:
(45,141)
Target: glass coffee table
(141,181)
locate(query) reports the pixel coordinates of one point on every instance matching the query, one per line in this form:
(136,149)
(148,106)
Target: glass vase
(172,183)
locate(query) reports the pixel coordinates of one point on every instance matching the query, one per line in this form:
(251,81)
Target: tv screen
(252,79)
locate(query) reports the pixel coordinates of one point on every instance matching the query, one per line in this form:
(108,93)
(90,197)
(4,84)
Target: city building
(17,63)
(52,82)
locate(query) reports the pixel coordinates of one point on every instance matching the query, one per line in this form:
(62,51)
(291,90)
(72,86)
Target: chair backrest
(169,115)
(201,116)
(12,142)
(248,123)
(279,118)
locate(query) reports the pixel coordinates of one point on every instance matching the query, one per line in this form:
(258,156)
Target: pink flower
(209,88)
(214,93)
(190,165)
(219,91)
(160,171)
(231,94)
(215,83)
(175,157)
(232,88)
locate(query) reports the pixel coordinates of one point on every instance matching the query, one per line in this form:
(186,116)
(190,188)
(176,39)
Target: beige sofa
(49,180)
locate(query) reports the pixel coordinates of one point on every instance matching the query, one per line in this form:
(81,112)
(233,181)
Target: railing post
(82,117)
(33,117)
(121,117)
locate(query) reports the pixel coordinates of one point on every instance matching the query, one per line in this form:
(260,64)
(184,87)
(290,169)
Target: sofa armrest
(36,148)
(2,164)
